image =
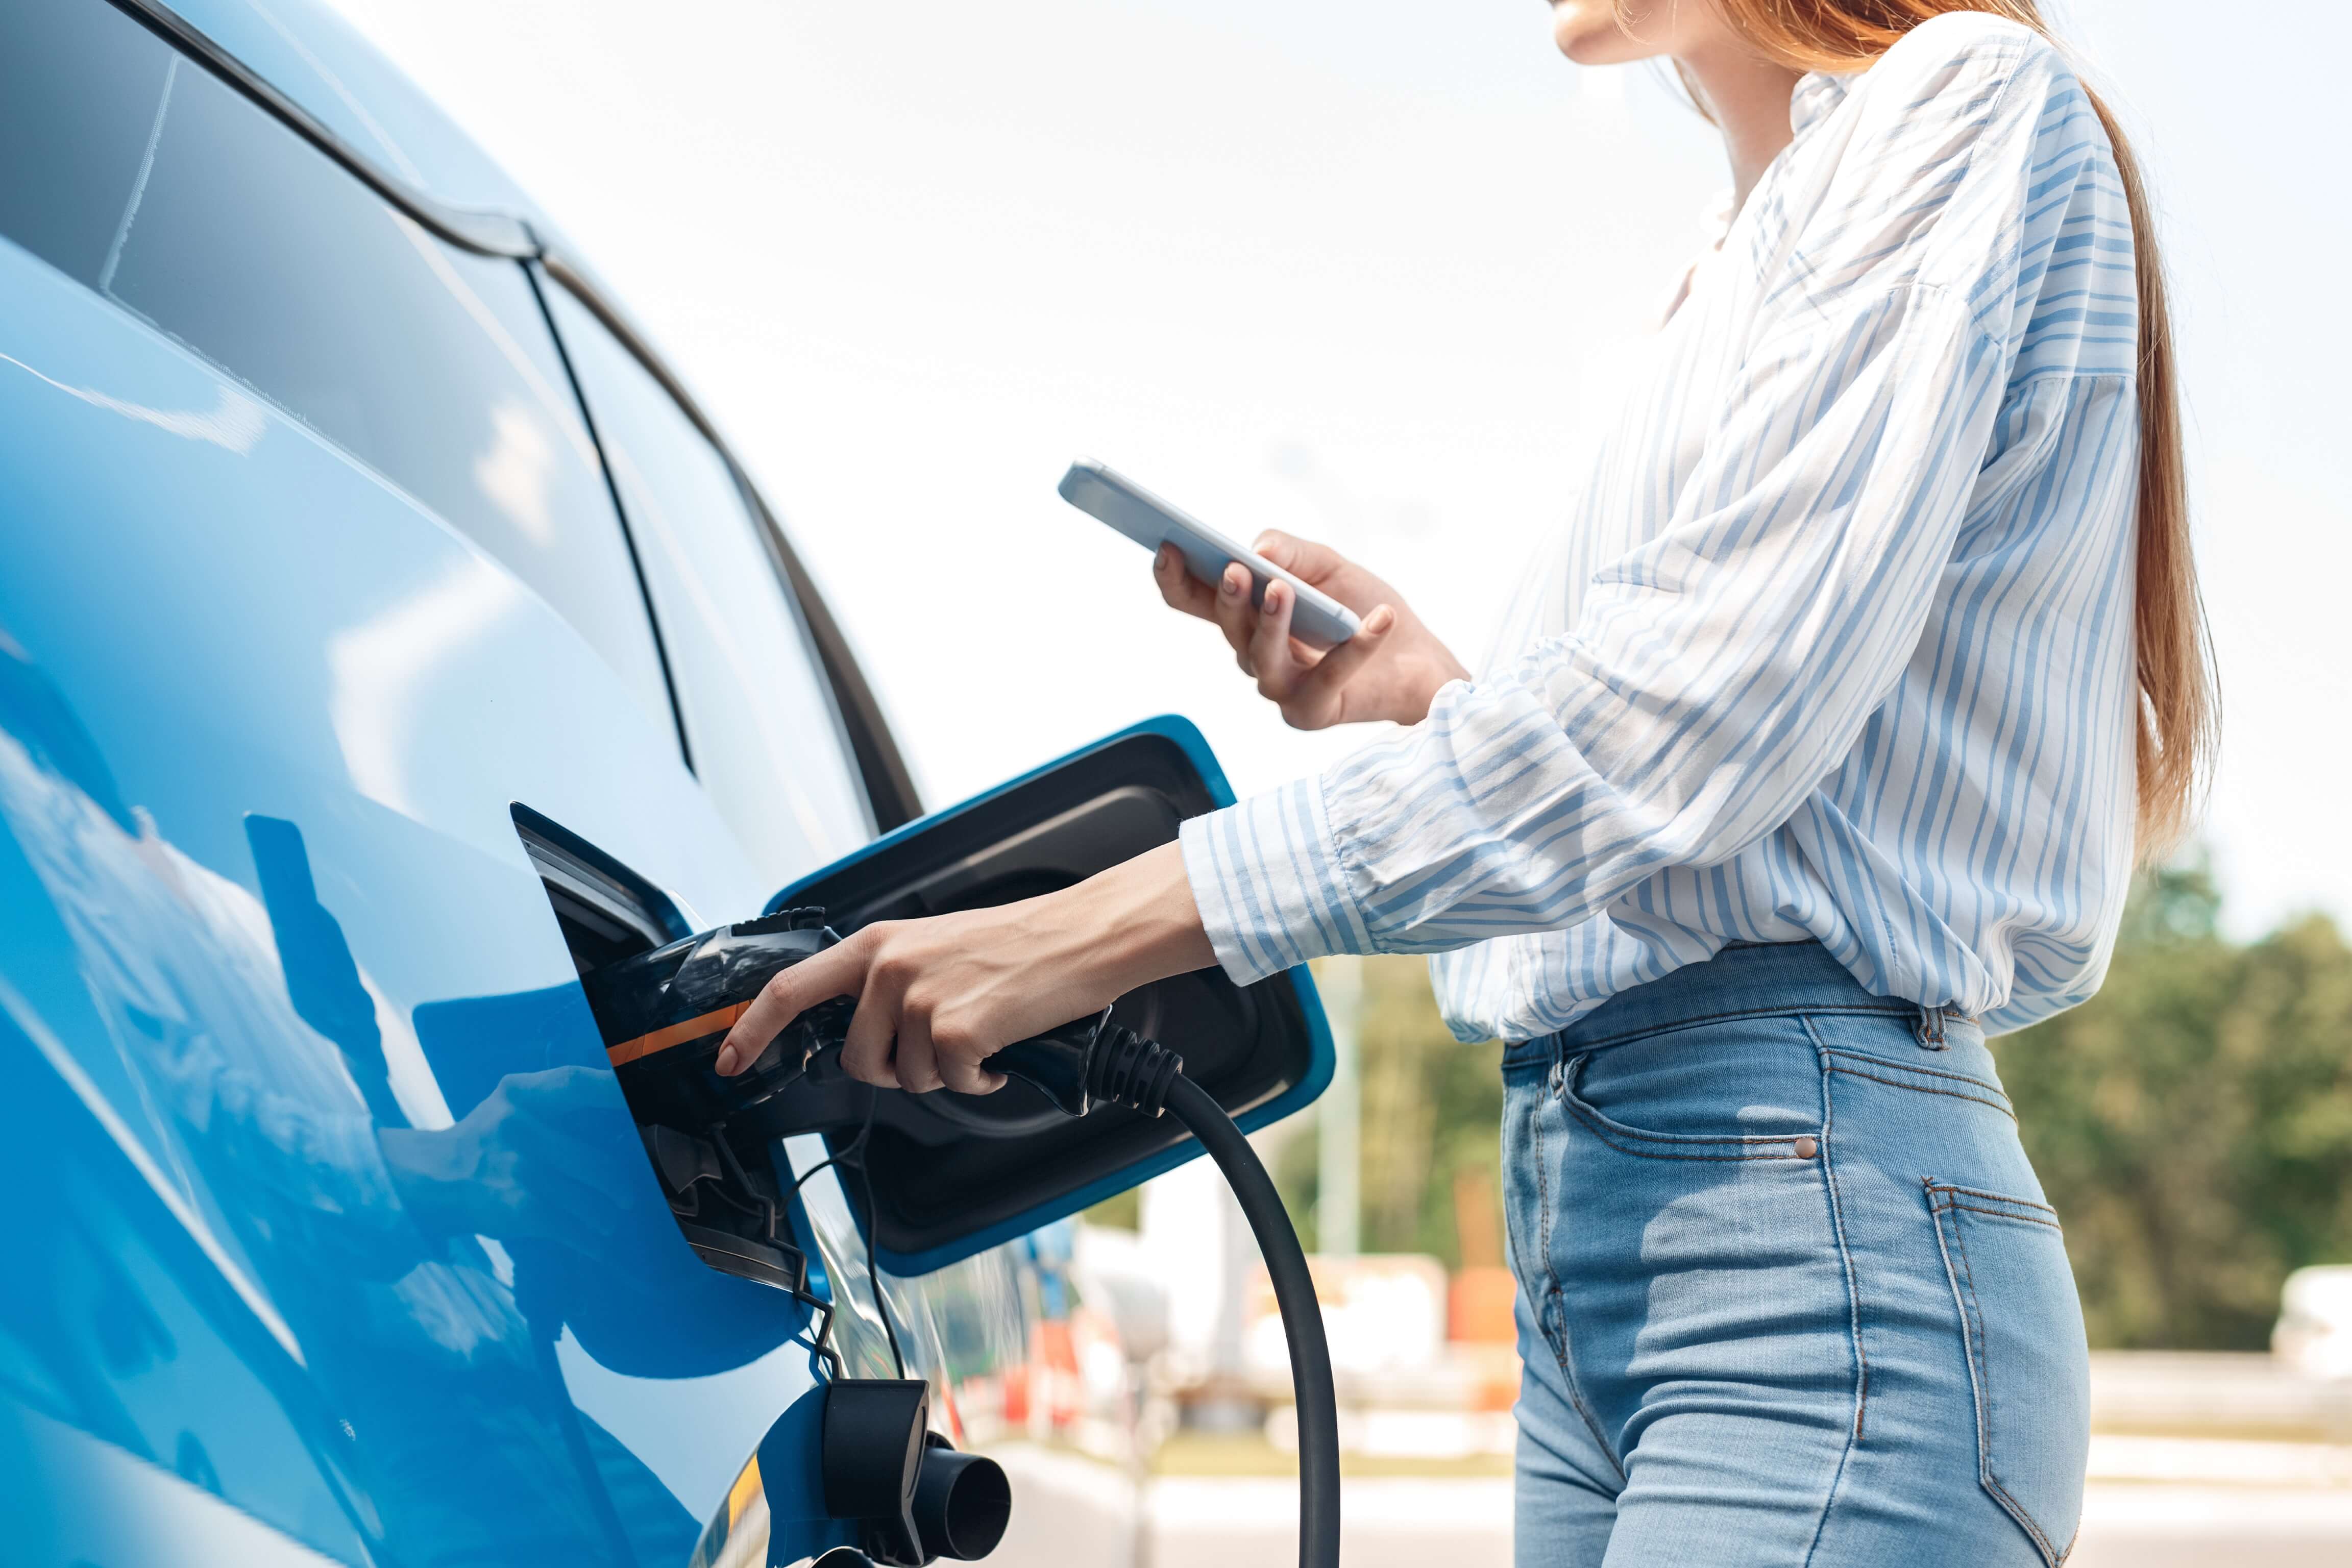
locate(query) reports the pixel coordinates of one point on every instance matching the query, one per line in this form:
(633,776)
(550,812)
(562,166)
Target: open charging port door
(955,1174)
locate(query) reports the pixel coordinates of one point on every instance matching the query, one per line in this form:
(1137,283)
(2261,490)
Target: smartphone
(1315,618)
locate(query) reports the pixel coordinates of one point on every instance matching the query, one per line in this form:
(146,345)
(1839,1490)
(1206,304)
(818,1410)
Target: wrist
(1440,676)
(1428,668)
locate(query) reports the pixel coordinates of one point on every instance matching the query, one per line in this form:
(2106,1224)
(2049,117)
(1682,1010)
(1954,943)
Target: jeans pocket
(2027,1360)
(1801,1142)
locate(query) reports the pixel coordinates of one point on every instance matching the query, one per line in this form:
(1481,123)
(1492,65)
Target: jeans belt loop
(1931,1028)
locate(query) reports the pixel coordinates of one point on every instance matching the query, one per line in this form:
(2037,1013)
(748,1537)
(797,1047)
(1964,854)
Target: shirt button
(1807,1148)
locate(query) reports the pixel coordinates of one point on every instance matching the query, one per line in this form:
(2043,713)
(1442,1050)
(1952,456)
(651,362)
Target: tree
(2193,1121)
(1433,1111)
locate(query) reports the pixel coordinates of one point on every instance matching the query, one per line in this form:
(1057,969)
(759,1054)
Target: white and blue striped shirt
(1839,644)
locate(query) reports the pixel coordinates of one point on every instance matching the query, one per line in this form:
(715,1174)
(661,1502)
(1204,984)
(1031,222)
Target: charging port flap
(954,1174)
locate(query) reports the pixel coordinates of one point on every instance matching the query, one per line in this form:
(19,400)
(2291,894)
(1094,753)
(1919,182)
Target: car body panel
(101,1505)
(300,642)
(265,720)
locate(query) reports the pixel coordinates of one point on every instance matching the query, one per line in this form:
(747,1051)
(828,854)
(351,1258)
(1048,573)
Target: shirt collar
(1816,94)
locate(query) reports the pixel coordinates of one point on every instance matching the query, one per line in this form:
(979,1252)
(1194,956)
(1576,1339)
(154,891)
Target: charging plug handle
(1092,1062)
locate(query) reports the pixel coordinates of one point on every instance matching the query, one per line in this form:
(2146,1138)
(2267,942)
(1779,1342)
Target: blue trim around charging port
(1321,1059)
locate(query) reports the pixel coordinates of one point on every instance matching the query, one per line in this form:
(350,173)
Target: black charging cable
(873,1269)
(851,1156)
(1302,1317)
(1080,1065)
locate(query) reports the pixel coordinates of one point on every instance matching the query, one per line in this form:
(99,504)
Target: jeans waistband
(1773,977)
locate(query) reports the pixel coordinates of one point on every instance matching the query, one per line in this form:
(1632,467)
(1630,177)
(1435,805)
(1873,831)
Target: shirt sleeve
(1717,675)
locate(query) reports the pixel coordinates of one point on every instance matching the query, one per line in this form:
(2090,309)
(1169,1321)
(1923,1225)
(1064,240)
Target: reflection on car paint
(264,1119)
(736,1537)
(257,1044)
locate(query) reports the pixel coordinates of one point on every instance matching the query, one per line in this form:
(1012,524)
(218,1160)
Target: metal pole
(1340,1115)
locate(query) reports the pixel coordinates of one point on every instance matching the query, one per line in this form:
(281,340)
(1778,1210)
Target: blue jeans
(1788,1292)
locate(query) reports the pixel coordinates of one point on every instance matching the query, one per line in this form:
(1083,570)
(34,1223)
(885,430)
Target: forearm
(1128,926)
(937,998)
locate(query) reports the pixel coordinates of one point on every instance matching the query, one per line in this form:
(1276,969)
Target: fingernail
(1379,620)
(1228,587)
(725,1061)
(1274,592)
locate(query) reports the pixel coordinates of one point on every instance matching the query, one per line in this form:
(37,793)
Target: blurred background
(1370,271)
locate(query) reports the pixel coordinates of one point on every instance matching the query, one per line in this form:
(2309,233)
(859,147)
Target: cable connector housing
(1125,1069)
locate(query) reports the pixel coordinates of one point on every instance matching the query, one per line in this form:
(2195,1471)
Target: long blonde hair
(2180,706)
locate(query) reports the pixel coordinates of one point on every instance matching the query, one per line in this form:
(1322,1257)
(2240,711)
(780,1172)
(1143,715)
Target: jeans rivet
(1807,1148)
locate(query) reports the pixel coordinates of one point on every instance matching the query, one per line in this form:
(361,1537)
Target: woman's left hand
(937,997)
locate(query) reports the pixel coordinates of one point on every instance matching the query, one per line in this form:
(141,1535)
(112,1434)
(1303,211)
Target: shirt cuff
(1272,890)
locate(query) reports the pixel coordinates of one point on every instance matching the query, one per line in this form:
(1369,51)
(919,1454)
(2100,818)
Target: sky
(1372,272)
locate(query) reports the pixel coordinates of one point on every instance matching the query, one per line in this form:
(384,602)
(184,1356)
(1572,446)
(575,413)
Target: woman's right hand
(1390,670)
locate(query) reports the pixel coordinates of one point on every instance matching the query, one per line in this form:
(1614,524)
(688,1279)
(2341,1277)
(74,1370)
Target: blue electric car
(388,649)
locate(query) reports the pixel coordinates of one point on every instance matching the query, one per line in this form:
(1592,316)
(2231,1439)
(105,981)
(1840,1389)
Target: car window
(78,86)
(146,177)
(759,723)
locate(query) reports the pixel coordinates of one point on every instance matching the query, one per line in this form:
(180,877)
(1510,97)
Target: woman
(1822,747)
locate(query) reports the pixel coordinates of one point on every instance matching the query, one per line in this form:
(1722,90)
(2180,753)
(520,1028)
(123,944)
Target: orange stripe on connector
(675,1034)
